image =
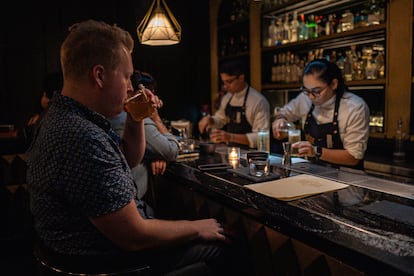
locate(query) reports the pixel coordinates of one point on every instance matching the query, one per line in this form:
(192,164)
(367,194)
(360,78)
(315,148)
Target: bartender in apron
(236,118)
(242,112)
(335,121)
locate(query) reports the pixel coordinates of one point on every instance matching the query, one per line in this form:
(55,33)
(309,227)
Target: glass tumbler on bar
(294,136)
(263,140)
(139,106)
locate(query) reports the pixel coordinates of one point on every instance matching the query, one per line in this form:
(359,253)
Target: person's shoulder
(352,100)
(254,91)
(352,97)
(255,94)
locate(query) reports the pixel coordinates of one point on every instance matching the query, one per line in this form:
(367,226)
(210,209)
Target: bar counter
(364,229)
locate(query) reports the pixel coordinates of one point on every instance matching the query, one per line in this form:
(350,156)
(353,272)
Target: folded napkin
(244,172)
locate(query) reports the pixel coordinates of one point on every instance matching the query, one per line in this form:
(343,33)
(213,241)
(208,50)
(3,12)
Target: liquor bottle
(233,12)
(312,30)
(348,66)
(279,32)
(328,30)
(303,29)
(286,30)
(320,22)
(294,27)
(244,44)
(274,73)
(370,66)
(332,23)
(272,32)
(332,57)
(379,63)
(340,62)
(375,12)
(357,71)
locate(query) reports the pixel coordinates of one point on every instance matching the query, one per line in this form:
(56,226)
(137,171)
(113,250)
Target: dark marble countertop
(369,225)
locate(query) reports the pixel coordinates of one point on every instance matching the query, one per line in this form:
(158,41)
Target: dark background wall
(31,34)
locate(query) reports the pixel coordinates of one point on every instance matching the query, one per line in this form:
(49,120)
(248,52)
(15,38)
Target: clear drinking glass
(259,166)
(263,140)
(139,106)
(284,129)
(294,136)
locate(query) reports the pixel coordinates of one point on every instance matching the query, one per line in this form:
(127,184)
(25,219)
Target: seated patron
(82,194)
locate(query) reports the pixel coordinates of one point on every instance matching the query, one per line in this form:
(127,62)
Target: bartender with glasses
(335,122)
(242,112)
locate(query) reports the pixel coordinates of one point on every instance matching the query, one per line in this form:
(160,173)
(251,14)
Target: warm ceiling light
(159,26)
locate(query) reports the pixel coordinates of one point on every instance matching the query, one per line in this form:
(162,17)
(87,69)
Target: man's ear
(98,74)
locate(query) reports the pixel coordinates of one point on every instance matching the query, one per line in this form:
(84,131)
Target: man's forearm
(133,141)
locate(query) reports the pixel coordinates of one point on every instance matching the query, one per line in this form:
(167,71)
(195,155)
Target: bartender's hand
(158,167)
(305,148)
(205,123)
(219,136)
(277,126)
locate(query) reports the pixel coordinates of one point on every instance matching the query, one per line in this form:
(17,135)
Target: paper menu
(296,187)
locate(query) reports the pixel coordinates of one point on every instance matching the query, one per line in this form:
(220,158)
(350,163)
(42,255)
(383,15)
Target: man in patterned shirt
(83,197)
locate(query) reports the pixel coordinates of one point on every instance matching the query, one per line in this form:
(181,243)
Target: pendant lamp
(159,26)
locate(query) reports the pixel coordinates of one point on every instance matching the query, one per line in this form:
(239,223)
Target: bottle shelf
(366,84)
(364,35)
(312,6)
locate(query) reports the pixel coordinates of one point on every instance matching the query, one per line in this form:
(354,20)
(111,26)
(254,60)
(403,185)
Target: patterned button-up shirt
(76,171)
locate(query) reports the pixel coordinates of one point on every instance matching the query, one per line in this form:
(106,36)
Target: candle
(233,155)
(234,163)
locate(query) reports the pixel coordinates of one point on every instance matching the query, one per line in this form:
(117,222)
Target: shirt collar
(241,93)
(329,103)
(77,107)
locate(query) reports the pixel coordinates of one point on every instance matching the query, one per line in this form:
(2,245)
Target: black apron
(236,119)
(326,135)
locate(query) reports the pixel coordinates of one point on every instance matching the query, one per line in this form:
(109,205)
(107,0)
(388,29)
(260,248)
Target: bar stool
(46,268)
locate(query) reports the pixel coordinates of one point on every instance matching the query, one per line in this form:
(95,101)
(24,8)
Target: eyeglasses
(316,92)
(229,81)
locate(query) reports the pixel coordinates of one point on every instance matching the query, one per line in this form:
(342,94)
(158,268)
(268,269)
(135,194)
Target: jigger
(286,159)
